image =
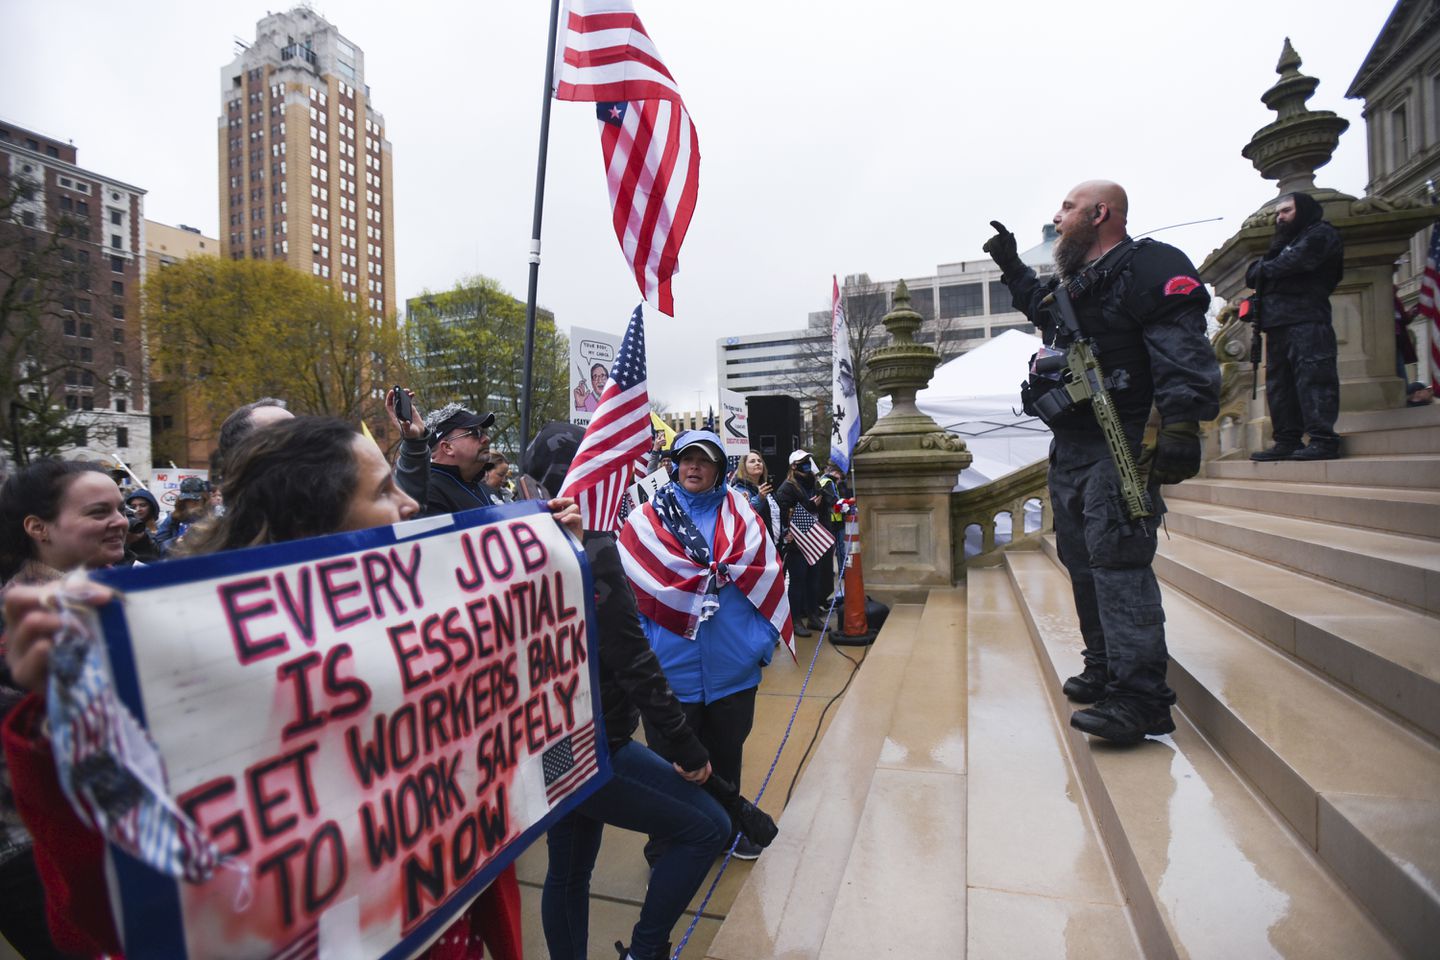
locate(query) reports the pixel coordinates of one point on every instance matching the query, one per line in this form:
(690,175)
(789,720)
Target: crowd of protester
(277,477)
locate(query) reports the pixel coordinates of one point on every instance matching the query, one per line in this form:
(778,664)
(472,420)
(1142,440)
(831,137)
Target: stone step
(1386,442)
(1208,868)
(1399,418)
(1392,566)
(785,906)
(1387,653)
(1033,848)
(910,866)
(1398,510)
(1395,470)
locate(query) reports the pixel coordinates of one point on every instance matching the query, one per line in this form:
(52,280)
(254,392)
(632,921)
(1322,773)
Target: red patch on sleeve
(1180,285)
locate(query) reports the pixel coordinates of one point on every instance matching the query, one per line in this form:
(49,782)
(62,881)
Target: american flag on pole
(809,534)
(1430,303)
(651,151)
(569,762)
(616,444)
(668,583)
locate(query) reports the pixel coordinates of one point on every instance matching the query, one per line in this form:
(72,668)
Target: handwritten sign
(370,725)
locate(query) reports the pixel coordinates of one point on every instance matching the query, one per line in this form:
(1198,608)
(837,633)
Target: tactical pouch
(1048,400)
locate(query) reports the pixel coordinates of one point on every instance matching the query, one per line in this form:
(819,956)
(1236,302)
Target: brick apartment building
(86,231)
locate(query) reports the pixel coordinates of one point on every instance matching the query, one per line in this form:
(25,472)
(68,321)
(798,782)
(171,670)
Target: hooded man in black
(1293,282)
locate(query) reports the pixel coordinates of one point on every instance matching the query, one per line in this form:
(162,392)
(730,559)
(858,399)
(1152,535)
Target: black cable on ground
(814,738)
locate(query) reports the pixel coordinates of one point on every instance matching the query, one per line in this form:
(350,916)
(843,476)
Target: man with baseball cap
(443,457)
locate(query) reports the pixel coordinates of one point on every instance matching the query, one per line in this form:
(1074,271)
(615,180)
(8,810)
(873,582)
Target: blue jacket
(730,648)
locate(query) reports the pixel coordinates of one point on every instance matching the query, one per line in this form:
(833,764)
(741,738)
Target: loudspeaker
(774,431)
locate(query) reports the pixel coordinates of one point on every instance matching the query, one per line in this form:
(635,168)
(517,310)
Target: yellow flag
(663,428)
(365,429)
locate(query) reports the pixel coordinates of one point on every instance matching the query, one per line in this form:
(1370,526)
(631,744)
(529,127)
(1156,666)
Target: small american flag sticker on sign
(569,763)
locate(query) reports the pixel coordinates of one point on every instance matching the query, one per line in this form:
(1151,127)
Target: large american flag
(651,151)
(1430,303)
(616,444)
(809,534)
(668,584)
(569,763)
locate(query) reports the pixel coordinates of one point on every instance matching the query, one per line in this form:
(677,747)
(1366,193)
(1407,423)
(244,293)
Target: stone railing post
(905,468)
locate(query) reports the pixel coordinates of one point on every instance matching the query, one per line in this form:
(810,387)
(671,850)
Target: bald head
(1091,220)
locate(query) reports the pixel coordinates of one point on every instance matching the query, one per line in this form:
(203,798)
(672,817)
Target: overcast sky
(837,137)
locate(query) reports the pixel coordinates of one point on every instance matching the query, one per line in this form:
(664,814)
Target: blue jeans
(645,795)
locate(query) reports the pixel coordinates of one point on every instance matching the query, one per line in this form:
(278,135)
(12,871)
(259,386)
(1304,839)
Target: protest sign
(370,726)
(165,484)
(643,489)
(591,354)
(734,426)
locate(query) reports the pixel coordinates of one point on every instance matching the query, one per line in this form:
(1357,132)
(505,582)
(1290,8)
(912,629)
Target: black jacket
(1295,281)
(631,681)
(1147,319)
(794,491)
(436,486)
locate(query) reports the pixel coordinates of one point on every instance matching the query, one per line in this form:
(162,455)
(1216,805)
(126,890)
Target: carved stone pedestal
(905,469)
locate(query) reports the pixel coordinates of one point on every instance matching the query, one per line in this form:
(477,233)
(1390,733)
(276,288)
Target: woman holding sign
(304,477)
(55,516)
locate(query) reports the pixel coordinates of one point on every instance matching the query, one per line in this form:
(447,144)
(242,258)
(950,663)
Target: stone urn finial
(1300,140)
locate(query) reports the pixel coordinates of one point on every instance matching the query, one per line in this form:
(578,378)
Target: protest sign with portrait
(367,726)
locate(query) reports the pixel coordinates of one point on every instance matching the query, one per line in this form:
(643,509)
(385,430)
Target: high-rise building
(70,255)
(304,162)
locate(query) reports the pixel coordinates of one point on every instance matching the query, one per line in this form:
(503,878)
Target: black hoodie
(1300,270)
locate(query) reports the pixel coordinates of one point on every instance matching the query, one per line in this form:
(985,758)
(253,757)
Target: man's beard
(1287,231)
(1072,249)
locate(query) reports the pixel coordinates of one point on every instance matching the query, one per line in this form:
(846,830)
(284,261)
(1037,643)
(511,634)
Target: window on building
(117,311)
(115,241)
(120,407)
(87,330)
(1399,136)
(87,402)
(117,287)
(115,217)
(82,306)
(117,334)
(87,356)
(962,300)
(72,402)
(1000,300)
(66,204)
(117,264)
(68,326)
(82,208)
(922,301)
(122,434)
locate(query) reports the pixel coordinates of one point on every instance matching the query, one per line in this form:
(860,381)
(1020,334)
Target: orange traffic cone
(855,626)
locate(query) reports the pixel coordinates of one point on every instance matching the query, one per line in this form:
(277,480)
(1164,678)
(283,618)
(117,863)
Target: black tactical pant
(1116,595)
(1302,384)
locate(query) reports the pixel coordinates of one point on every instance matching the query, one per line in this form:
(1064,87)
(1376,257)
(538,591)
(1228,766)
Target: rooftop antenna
(241,46)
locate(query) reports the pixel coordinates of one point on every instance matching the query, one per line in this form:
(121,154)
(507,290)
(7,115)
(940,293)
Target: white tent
(977,397)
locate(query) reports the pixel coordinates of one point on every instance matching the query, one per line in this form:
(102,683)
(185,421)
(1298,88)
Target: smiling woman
(55,516)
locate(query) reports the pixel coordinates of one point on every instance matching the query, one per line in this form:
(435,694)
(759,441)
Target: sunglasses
(475,432)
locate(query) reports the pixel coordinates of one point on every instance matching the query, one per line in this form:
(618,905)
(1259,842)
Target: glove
(1001,248)
(744,815)
(1177,452)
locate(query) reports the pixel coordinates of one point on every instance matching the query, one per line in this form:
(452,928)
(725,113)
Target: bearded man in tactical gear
(1142,306)
(1293,283)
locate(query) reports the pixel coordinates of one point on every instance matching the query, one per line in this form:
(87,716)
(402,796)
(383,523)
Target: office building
(305,167)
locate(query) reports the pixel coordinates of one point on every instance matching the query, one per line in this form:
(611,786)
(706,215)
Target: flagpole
(526,381)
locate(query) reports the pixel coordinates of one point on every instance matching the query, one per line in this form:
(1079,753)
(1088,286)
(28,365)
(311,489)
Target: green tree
(231,331)
(467,345)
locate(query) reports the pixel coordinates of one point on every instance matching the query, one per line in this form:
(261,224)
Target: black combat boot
(1281,451)
(625,954)
(1088,686)
(1123,720)
(1317,451)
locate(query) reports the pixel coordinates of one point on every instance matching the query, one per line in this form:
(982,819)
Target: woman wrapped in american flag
(711,596)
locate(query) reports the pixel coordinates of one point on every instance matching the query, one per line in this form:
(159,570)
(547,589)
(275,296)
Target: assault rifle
(1082,382)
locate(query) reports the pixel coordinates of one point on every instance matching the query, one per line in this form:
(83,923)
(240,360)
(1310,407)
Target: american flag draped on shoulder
(810,535)
(651,151)
(1430,303)
(668,584)
(617,441)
